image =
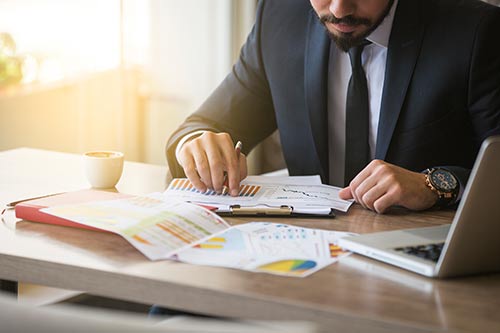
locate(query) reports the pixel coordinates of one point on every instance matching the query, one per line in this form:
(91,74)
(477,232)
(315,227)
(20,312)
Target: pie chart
(293,266)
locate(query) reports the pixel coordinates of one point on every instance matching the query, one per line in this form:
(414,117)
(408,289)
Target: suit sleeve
(241,105)
(484,85)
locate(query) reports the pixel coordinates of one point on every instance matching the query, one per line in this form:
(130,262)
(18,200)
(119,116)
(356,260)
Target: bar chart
(185,185)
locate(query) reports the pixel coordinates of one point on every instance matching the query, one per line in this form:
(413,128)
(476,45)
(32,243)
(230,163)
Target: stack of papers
(303,195)
(189,233)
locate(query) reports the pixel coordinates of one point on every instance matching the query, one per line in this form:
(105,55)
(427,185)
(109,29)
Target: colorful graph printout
(156,228)
(231,241)
(289,267)
(274,248)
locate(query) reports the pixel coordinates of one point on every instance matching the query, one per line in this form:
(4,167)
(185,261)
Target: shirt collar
(380,36)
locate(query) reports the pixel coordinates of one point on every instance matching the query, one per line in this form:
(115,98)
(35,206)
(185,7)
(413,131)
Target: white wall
(192,50)
(184,47)
(95,111)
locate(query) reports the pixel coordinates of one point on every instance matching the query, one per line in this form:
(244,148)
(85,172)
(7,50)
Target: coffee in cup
(103,168)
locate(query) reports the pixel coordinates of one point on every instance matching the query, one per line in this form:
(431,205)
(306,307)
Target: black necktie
(357,154)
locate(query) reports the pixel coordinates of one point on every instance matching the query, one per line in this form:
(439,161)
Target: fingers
(375,186)
(189,163)
(382,185)
(345,193)
(362,182)
(194,178)
(236,175)
(377,198)
(207,158)
(216,150)
(384,202)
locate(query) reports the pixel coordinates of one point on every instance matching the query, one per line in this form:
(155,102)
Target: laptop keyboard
(429,251)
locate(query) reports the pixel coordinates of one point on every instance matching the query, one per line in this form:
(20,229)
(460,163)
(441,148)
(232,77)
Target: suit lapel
(404,46)
(316,87)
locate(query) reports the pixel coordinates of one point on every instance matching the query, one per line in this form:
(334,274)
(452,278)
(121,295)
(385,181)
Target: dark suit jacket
(441,96)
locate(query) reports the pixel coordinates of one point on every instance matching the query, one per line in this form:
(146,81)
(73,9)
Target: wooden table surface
(353,295)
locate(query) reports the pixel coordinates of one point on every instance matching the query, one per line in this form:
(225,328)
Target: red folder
(30,210)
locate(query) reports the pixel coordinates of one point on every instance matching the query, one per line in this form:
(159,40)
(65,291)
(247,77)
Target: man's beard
(345,41)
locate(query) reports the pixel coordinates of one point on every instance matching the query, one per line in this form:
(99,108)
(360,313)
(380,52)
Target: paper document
(264,191)
(268,247)
(155,227)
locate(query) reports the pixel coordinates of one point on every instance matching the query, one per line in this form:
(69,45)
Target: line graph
(314,195)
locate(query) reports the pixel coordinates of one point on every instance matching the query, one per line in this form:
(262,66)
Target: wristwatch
(444,184)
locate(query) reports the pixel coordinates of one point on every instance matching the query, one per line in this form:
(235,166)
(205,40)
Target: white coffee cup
(103,168)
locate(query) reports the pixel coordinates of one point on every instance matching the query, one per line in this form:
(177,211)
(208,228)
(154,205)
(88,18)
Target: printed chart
(313,199)
(156,228)
(268,247)
(288,267)
(184,185)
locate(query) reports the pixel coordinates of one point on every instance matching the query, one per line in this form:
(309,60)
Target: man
(427,95)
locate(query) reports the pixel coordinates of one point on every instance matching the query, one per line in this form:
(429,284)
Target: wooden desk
(354,295)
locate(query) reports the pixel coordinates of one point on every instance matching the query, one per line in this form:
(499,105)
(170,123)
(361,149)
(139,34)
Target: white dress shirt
(339,72)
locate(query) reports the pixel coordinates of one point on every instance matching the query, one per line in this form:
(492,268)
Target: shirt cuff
(185,139)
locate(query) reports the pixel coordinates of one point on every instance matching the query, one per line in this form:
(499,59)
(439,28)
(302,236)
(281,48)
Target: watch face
(444,180)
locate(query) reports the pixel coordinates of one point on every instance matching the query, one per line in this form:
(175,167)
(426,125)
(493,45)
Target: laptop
(469,245)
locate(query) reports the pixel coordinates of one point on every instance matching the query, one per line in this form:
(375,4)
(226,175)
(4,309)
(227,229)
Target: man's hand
(381,185)
(206,158)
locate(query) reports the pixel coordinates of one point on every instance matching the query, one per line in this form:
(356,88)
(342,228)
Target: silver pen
(237,150)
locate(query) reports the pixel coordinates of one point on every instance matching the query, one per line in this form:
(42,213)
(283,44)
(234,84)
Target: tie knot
(355,53)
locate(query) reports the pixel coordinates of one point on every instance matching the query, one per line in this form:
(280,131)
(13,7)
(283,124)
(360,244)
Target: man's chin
(345,41)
